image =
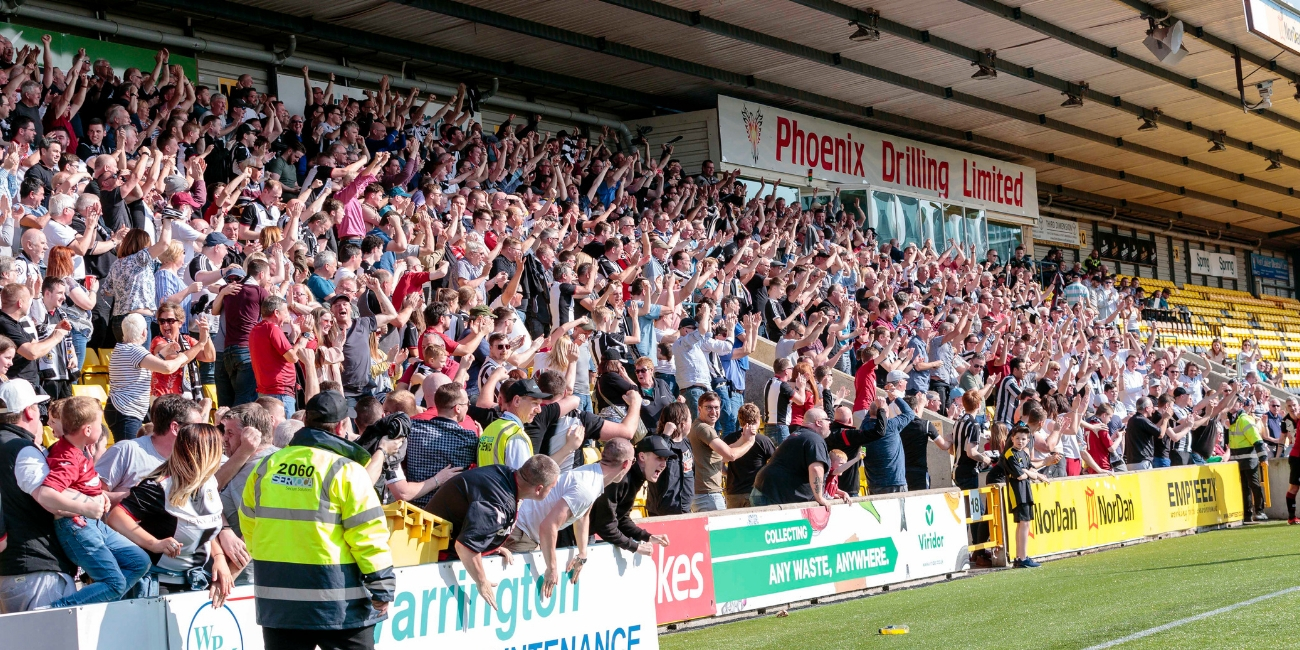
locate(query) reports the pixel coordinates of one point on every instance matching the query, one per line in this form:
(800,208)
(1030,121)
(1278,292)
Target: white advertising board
(1219,265)
(794,145)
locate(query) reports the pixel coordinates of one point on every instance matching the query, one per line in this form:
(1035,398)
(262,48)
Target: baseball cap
(216,238)
(688,322)
(185,198)
(17,394)
(1180,391)
(327,407)
(341,296)
(233,272)
(398,190)
(658,243)
(657,445)
(895,376)
(526,388)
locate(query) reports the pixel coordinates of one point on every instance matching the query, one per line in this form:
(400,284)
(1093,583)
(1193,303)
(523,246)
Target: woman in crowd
(80,299)
(130,375)
(170,343)
(131,279)
(174,514)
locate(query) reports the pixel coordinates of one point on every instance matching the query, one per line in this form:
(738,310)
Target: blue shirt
(319,287)
(883,455)
(649,337)
(736,369)
(918,380)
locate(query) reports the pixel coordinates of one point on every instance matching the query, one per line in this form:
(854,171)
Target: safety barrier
(436,605)
(990,513)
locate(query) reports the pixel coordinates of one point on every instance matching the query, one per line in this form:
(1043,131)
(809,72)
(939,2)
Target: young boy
(111,560)
(1020,472)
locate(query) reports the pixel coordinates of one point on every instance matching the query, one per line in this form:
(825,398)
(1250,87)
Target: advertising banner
(64,46)
(763,559)
(1275,21)
(683,570)
(437,605)
(1123,248)
(1085,512)
(797,145)
(1058,231)
(1078,513)
(1219,265)
(1181,498)
(1269,267)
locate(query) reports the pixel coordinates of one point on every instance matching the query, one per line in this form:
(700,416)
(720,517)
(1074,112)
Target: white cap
(17,394)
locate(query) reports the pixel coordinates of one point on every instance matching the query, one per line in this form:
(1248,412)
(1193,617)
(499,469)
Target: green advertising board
(65,46)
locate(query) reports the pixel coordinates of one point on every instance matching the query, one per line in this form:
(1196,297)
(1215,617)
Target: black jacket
(610,518)
(536,292)
(30,528)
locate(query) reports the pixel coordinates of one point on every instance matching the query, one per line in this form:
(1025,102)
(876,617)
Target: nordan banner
(796,146)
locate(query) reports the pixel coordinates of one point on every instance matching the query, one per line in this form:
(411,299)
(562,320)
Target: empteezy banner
(1085,512)
(796,145)
(769,558)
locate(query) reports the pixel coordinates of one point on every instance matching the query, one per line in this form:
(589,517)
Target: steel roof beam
(846,12)
(306,26)
(1019,16)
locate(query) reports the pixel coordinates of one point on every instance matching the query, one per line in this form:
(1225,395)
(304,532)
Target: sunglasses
(500,347)
(644,371)
(167,321)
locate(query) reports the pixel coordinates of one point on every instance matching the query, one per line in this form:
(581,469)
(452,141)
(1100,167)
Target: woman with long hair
(174,514)
(999,441)
(812,393)
(1217,353)
(80,300)
(130,280)
(329,344)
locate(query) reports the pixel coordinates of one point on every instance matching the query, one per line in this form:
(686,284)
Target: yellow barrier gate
(991,513)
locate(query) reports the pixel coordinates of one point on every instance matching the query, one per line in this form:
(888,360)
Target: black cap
(1180,391)
(526,388)
(657,445)
(327,407)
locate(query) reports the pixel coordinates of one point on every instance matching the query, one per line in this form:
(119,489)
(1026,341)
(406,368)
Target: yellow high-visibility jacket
(316,532)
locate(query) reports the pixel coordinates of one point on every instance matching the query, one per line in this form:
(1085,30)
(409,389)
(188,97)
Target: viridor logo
(214,629)
(929,515)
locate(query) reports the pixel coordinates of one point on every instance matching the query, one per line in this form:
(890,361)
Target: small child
(111,560)
(839,462)
(1020,472)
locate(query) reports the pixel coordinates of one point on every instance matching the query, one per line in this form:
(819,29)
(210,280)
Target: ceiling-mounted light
(1274,161)
(1074,95)
(1165,40)
(867,31)
(1149,120)
(987,63)
(1216,142)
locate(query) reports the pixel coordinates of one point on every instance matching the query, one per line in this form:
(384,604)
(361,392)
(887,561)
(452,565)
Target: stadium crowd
(515,330)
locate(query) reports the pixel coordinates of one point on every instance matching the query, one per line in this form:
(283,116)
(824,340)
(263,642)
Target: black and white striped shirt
(967,431)
(776,401)
(1008,395)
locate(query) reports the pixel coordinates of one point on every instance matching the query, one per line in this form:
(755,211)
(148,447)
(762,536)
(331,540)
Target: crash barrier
(717,564)
(736,561)
(610,607)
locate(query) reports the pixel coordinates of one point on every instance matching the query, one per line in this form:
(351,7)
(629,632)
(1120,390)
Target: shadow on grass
(1205,564)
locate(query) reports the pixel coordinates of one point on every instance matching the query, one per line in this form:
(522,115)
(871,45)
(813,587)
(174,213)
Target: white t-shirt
(126,463)
(579,488)
(58,234)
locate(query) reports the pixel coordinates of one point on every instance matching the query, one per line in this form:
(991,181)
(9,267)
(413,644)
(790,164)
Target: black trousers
(1252,488)
(361,638)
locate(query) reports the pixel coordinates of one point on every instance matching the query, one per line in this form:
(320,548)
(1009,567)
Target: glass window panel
(952,225)
(975,231)
(1003,239)
(882,217)
(912,226)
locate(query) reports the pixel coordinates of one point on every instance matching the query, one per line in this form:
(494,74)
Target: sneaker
(1293,521)
(1261,517)
(1027,563)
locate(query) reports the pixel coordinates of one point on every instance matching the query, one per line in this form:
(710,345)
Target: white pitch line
(1192,619)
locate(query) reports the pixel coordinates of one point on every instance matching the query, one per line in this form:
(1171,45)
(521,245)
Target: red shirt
(162,384)
(409,283)
(71,467)
(1099,447)
(797,411)
(864,386)
(266,347)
